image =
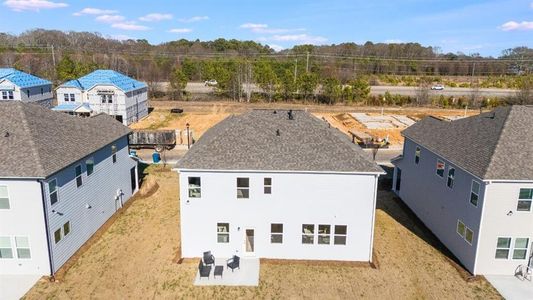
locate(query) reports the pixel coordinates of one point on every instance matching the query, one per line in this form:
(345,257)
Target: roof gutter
(46,228)
(277,171)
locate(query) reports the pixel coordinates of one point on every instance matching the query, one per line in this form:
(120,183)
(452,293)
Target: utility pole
(307,63)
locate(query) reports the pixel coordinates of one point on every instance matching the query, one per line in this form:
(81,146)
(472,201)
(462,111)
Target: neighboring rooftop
(21,79)
(37,142)
(110,77)
(251,142)
(493,145)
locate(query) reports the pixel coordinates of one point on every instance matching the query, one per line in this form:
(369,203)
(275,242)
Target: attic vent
(291,117)
(277,132)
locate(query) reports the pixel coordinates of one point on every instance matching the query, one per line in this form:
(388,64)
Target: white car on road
(437,87)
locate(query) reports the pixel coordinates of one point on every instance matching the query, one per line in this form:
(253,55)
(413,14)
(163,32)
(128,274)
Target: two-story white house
(19,86)
(471,182)
(267,185)
(61,178)
(105,91)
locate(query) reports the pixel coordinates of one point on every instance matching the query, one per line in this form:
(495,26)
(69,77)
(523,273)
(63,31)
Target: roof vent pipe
(291,117)
(6,134)
(277,132)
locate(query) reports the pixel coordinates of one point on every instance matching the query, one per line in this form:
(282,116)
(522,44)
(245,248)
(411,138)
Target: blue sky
(485,27)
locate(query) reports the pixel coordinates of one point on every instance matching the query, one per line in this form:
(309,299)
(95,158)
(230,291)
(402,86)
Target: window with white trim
(440,168)
(52,191)
(469,235)
(451,177)
(243,188)
(503,248)
(267,182)
(417,155)
(89,164)
(308,233)
(223,233)
(324,234)
(461,228)
(66,98)
(195,187)
(520,248)
(525,199)
(276,233)
(341,232)
(58,235)
(66,228)
(6,250)
(22,244)
(474,192)
(79,179)
(72,98)
(4,198)
(114,153)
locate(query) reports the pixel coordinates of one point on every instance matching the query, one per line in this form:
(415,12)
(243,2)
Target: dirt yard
(134,259)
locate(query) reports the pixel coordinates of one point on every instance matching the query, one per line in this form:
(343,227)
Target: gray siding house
(20,86)
(471,182)
(61,179)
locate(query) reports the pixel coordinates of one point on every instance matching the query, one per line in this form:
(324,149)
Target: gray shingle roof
(250,142)
(493,145)
(37,142)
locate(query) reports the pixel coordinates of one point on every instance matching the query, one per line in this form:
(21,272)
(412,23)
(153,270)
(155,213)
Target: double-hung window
(308,234)
(114,153)
(66,98)
(58,235)
(417,155)
(72,98)
(461,228)
(451,177)
(195,187)
(52,191)
(243,188)
(4,198)
(79,179)
(66,228)
(520,248)
(267,185)
(6,250)
(23,247)
(440,167)
(474,193)
(324,234)
(223,233)
(10,95)
(503,248)
(89,163)
(525,199)
(4,95)
(341,231)
(469,235)
(276,233)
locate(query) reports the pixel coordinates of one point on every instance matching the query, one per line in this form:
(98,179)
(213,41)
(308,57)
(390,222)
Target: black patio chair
(204,270)
(209,259)
(234,263)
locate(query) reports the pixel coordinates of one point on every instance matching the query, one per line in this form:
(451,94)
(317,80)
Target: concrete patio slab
(510,287)
(247,275)
(13,287)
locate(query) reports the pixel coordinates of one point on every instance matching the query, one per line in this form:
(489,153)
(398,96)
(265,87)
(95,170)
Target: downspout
(376,177)
(480,224)
(46,227)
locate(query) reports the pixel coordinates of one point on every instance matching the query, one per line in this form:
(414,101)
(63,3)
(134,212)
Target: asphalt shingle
(37,142)
(250,142)
(495,145)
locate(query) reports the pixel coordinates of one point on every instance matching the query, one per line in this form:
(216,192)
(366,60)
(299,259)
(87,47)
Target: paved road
(200,88)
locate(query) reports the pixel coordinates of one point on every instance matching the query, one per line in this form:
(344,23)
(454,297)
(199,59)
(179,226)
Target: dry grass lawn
(133,259)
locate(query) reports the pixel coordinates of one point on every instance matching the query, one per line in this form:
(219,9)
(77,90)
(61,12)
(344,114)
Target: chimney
(291,117)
